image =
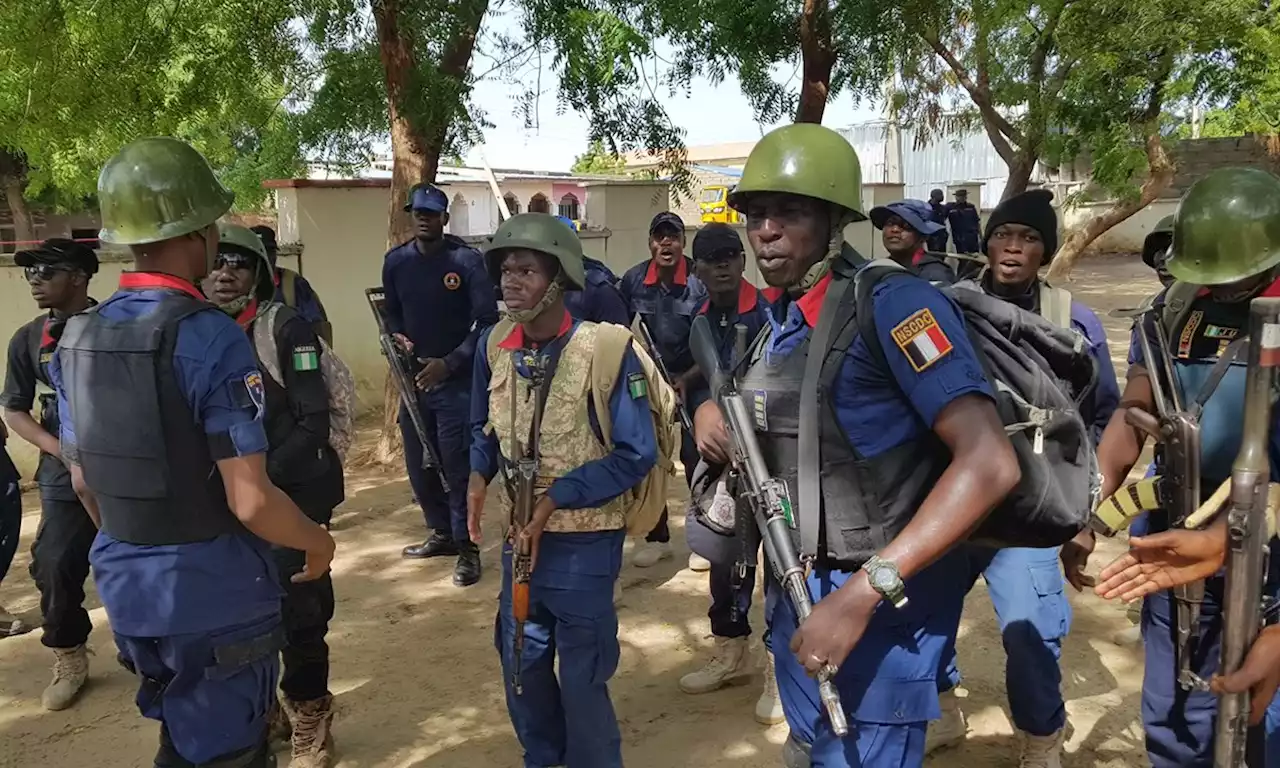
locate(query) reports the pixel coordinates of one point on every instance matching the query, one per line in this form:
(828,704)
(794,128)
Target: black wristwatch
(885,579)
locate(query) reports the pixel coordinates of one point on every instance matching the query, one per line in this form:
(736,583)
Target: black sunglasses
(44,272)
(232,261)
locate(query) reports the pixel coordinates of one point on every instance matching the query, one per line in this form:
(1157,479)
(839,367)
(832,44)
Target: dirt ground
(418,681)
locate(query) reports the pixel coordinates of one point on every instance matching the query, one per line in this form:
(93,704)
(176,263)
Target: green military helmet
(803,159)
(1227,228)
(539,232)
(234,238)
(156,189)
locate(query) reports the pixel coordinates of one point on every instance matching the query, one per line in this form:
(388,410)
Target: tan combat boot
(769,705)
(70,672)
(12,626)
(312,735)
(729,662)
(951,729)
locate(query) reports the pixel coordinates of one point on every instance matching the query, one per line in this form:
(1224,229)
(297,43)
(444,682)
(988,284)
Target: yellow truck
(714,206)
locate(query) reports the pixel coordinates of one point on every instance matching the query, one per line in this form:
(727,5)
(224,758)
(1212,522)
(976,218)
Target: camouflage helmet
(1227,228)
(540,232)
(803,159)
(156,189)
(1157,241)
(233,238)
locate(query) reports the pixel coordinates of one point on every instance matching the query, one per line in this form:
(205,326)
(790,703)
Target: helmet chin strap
(840,217)
(549,297)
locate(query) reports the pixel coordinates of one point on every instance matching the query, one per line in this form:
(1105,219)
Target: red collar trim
(748,297)
(917,256)
(247,314)
(141,281)
(810,304)
(1272,291)
(772,293)
(515,339)
(681,278)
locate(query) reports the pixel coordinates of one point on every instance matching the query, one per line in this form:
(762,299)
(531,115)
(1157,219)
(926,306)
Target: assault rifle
(770,503)
(520,480)
(647,339)
(403,368)
(1176,429)
(1247,530)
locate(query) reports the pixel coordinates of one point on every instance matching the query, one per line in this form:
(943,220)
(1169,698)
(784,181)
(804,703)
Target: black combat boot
(467,571)
(437,545)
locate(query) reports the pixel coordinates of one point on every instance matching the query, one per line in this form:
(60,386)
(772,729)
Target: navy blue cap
(917,213)
(425,197)
(715,242)
(667,218)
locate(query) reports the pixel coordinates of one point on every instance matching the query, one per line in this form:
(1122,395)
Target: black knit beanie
(1031,209)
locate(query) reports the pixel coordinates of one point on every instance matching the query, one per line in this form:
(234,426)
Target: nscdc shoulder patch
(452,281)
(921,340)
(306,358)
(257,395)
(637,386)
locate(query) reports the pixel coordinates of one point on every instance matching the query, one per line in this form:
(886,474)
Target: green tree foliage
(79,80)
(597,161)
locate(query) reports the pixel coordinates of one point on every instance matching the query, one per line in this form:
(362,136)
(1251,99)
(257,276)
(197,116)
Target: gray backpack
(1044,377)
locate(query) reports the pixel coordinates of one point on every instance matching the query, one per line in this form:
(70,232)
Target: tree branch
(1000,130)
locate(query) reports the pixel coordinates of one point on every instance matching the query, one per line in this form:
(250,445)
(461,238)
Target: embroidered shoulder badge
(257,395)
(305,358)
(637,386)
(921,340)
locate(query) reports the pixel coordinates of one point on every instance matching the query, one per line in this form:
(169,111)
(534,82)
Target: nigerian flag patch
(306,358)
(637,386)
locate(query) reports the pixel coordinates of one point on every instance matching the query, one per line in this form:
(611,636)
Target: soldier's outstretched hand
(1163,561)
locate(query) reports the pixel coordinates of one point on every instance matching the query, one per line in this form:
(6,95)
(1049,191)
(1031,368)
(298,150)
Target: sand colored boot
(951,729)
(279,729)
(729,661)
(1041,751)
(769,705)
(70,673)
(312,732)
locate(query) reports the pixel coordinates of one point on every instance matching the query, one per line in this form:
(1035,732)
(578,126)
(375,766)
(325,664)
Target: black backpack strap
(820,344)
(866,283)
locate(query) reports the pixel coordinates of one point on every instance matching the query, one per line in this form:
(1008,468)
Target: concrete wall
(1127,236)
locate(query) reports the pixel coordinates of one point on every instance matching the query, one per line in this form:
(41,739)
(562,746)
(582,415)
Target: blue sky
(709,114)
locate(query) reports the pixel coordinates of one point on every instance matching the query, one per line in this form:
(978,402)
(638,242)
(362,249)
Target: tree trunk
(818,60)
(1020,170)
(415,148)
(1161,176)
(12,183)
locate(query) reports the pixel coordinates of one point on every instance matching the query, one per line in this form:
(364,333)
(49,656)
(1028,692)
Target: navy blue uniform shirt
(442,301)
(882,409)
(752,311)
(631,456)
(156,591)
(599,301)
(667,310)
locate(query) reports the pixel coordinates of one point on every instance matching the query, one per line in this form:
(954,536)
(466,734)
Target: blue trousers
(566,720)
(1026,588)
(1179,725)
(446,413)
(211,691)
(888,684)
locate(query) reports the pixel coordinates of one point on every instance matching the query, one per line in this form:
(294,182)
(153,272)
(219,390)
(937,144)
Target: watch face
(883,578)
